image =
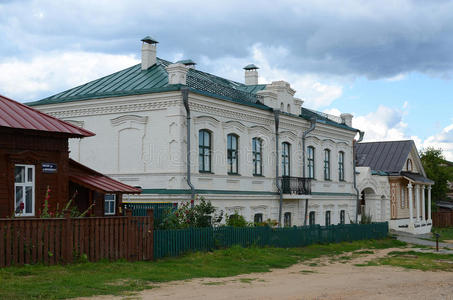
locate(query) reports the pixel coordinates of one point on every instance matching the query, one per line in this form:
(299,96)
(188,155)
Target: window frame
(327,164)
(109,201)
(342,217)
(312,218)
(286,159)
(341,166)
(258,218)
(257,156)
(24,186)
(409,163)
(204,151)
(328,218)
(311,161)
(287,219)
(232,154)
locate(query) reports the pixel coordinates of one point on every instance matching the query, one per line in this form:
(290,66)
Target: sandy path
(328,280)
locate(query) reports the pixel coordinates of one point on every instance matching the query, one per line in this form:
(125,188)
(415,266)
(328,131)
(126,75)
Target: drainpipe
(277,180)
(304,135)
(185,99)
(354,154)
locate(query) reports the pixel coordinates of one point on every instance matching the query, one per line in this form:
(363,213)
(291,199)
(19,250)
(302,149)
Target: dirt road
(327,280)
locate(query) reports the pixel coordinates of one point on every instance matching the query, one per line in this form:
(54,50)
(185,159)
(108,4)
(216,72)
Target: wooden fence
(64,240)
(442,219)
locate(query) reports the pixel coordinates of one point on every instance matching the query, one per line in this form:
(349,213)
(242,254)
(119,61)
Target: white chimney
(346,119)
(177,73)
(148,52)
(251,74)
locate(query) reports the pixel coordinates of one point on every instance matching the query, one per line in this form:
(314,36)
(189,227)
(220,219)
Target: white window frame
(25,184)
(114,204)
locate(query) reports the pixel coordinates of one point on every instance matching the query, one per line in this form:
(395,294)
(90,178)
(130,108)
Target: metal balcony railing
(295,185)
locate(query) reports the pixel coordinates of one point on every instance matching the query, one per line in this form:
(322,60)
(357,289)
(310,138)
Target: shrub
(236,220)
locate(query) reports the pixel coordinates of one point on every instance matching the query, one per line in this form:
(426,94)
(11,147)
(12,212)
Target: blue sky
(390,65)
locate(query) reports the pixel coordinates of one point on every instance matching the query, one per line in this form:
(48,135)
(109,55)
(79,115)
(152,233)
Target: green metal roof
(309,114)
(134,80)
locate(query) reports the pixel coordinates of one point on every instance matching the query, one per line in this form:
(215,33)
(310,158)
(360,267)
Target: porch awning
(417,177)
(94,180)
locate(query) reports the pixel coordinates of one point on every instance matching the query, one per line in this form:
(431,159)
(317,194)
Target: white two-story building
(148,117)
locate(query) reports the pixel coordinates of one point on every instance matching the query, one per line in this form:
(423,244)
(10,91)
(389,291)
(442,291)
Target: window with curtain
(232,153)
(204,150)
(257,152)
(286,159)
(24,190)
(311,161)
(326,164)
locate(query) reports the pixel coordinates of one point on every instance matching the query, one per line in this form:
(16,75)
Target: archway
(367,194)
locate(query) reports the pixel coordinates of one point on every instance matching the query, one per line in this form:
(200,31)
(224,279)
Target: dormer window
(409,165)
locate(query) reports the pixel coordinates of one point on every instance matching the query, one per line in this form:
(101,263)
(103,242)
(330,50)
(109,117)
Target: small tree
(236,220)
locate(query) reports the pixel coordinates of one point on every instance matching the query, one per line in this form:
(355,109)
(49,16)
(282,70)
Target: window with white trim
(341,166)
(311,161)
(109,204)
(24,190)
(286,159)
(326,164)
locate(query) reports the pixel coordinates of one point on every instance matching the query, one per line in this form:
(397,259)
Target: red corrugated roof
(94,180)
(17,115)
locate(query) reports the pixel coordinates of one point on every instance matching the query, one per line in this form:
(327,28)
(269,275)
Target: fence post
(129,234)
(68,238)
(150,234)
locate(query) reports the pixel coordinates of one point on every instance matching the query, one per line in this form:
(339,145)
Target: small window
(287,219)
(109,204)
(328,218)
(326,164)
(311,161)
(258,218)
(342,216)
(341,166)
(282,106)
(257,149)
(232,153)
(24,190)
(289,108)
(204,150)
(286,159)
(311,218)
(409,165)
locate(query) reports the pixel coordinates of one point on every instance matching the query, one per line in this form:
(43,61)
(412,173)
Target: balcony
(296,185)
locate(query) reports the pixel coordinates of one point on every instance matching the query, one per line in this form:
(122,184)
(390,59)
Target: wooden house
(35,166)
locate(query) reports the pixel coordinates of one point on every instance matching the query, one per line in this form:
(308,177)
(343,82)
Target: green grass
(119,277)
(414,260)
(445,233)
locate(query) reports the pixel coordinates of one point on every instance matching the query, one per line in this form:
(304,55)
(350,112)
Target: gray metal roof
(384,156)
(417,177)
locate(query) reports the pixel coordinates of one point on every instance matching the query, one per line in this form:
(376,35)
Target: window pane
(29,174)
(19,174)
(207,163)
(19,196)
(106,207)
(28,199)
(207,139)
(112,207)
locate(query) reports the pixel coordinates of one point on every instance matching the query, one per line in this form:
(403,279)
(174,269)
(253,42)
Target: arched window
(257,152)
(258,218)
(311,161)
(204,150)
(288,108)
(341,166)
(328,218)
(326,164)
(232,153)
(282,106)
(287,219)
(342,216)
(409,165)
(311,218)
(286,159)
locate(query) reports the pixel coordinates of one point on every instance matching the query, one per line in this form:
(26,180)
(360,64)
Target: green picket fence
(141,210)
(180,241)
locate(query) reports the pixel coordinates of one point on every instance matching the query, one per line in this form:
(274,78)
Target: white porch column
(423,204)
(411,205)
(417,202)
(429,204)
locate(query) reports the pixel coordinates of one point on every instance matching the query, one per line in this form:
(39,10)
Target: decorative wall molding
(132,118)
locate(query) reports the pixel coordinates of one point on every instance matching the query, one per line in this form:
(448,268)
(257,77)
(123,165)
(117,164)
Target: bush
(236,220)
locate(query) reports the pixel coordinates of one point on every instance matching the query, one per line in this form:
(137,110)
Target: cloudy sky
(390,65)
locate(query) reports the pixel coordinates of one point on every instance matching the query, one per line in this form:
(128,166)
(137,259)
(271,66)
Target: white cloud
(53,72)
(442,140)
